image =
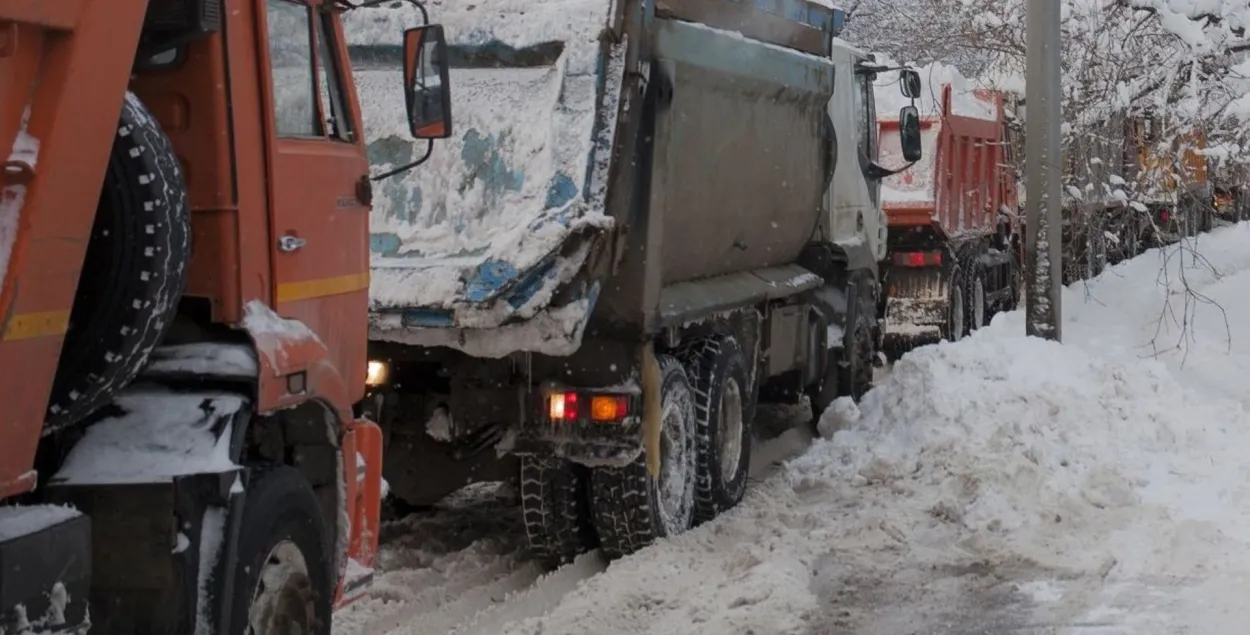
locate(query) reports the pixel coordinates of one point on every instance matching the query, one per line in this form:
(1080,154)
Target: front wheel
(282,579)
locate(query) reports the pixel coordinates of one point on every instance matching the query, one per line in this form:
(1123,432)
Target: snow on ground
(1001,484)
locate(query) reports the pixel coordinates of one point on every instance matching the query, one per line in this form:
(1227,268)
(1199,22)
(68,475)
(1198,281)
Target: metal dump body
(964,177)
(602,152)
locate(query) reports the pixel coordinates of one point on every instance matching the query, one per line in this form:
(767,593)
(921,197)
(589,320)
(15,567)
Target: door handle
(289,243)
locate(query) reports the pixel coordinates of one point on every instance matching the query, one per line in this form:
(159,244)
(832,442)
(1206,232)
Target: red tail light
(918,259)
(562,406)
(1163,216)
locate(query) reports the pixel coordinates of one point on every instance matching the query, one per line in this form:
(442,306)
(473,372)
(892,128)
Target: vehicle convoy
(955,247)
(650,218)
(183,232)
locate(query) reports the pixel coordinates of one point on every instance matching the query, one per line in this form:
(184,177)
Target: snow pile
(1000,454)
(533,118)
(1012,447)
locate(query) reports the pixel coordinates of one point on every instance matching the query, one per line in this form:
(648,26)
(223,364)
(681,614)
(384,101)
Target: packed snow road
(997,485)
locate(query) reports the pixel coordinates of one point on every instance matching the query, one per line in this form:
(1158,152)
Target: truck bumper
(45,570)
(582,440)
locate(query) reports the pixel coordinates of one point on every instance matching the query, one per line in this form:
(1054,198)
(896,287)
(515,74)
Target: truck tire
(282,582)
(723,418)
(855,373)
(133,274)
(956,324)
(976,301)
(631,509)
(554,504)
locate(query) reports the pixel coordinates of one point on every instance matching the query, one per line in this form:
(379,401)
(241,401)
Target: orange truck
(954,248)
(184,259)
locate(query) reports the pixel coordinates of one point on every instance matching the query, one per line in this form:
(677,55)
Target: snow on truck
(651,217)
(954,250)
(183,251)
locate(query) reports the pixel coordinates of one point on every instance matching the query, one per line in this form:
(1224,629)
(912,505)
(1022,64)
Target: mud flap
(45,575)
(154,547)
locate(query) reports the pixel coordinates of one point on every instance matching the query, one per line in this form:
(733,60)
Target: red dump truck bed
(965,175)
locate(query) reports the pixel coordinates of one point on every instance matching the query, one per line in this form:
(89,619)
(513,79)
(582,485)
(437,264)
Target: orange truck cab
(184,259)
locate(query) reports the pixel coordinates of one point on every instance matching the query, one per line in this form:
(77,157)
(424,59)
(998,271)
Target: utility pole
(1044,209)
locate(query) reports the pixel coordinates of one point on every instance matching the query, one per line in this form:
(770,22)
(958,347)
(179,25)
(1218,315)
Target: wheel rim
(677,466)
(978,305)
(283,602)
(729,429)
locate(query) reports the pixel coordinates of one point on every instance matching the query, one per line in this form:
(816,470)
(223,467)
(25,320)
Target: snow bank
(1087,460)
(534,116)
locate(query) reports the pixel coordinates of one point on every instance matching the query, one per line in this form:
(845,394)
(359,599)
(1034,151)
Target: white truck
(650,217)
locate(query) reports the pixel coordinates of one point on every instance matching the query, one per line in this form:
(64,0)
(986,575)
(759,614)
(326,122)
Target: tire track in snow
(462,568)
(466,616)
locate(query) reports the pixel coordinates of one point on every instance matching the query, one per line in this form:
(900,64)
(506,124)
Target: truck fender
(295,365)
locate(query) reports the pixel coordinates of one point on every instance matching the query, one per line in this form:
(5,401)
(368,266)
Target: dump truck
(183,317)
(955,249)
(651,218)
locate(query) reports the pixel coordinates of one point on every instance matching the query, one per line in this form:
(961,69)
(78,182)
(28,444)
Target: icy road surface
(997,485)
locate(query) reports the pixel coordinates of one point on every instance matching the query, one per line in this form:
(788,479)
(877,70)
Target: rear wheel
(956,325)
(282,579)
(554,503)
(976,300)
(718,371)
(631,509)
(134,271)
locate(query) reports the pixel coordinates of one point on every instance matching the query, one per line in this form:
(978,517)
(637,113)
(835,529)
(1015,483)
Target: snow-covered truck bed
(518,203)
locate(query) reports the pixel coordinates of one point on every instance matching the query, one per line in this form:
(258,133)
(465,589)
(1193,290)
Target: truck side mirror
(427,90)
(909,133)
(909,83)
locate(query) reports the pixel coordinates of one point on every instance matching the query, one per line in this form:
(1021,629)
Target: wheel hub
(283,602)
(729,430)
(677,465)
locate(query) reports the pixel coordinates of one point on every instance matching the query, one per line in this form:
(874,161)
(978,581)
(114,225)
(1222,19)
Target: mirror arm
(429,149)
(876,172)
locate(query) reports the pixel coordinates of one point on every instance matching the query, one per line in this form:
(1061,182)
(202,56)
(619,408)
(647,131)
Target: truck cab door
(318,173)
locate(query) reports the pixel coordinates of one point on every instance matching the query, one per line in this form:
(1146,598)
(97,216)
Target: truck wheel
(134,271)
(553,502)
(856,374)
(976,300)
(956,325)
(631,509)
(282,577)
(723,419)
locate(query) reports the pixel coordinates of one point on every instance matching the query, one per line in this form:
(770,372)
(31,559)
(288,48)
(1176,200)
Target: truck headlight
(377,373)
